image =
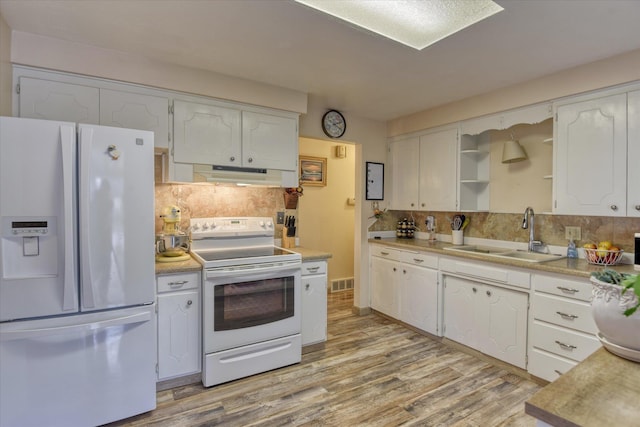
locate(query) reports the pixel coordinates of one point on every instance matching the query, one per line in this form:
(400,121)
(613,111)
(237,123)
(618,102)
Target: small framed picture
(313,171)
(375,181)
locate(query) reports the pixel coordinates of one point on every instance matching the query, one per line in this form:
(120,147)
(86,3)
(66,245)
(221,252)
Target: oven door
(250,304)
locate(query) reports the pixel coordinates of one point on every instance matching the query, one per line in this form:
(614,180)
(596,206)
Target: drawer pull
(474,290)
(384,253)
(404,271)
(558,372)
(488,293)
(418,260)
(566,346)
(313,269)
(568,290)
(567,316)
(395,269)
(189,302)
(307,286)
(178,284)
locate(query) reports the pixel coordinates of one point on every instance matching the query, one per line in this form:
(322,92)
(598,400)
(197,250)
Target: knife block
(287,242)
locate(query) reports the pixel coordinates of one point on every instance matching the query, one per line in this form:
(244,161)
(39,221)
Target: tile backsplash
(548,228)
(210,200)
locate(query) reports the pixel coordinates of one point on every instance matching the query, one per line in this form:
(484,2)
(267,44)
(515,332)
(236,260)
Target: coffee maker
(172,244)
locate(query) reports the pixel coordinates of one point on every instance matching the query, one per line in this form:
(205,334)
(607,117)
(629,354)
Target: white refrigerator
(77,275)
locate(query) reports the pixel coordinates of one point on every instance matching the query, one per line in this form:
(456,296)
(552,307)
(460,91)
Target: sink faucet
(527,221)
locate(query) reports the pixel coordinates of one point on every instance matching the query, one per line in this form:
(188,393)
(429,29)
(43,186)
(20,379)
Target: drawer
(386,252)
(314,267)
(564,342)
(566,288)
(564,312)
(548,366)
(178,282)
(420,259)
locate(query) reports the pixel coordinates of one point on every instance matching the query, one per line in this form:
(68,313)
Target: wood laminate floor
(371,372)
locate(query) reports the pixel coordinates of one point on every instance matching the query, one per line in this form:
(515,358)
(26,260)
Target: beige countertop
(575,267)
(193,265)
(602,390)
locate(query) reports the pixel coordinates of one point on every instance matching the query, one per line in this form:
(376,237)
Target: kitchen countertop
(575,267)
(600,391)
(193,265)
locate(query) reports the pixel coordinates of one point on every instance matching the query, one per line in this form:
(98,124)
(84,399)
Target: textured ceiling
(284,43)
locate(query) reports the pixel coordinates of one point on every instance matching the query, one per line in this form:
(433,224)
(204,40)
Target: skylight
(415,23)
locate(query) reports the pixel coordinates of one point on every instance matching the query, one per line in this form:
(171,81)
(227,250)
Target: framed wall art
(313,171)
(375,181)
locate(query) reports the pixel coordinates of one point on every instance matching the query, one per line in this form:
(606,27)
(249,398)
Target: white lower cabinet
(561,327)
(314,302)
(179,340)
(404,285)
(488,318)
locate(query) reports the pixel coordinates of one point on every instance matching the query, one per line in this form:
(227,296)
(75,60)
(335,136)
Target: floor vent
(340,285)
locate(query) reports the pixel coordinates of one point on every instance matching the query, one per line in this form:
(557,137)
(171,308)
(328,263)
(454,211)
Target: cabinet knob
(637,207)
(395,269)
(614,207)
(307,286)
(250,159)
(232,158)
(488,293)
(412,204)
(404,271)
(474,290)
(189,302)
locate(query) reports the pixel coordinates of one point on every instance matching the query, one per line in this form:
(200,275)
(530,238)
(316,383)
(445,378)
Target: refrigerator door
(116,192)
(38,268)
(82,370)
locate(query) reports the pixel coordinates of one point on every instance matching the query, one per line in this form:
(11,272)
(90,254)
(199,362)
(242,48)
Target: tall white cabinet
(633,157)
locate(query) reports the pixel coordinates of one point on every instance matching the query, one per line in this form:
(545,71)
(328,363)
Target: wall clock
(333,124)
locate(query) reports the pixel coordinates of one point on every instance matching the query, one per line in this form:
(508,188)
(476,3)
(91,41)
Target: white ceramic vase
(608,306)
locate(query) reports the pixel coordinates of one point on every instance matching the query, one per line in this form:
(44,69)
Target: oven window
(245,304)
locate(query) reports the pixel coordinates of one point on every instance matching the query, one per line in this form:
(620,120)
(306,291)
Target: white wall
(596,75)
(5,69)
(326,221)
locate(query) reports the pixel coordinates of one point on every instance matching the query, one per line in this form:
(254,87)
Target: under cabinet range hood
(244,176)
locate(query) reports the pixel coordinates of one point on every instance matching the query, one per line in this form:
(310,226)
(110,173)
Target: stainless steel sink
(506,253)
(489,250)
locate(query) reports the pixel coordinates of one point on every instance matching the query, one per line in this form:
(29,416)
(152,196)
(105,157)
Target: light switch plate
(572,233)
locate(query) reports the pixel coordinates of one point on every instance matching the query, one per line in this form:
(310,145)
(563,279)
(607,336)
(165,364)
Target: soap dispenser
(572,252)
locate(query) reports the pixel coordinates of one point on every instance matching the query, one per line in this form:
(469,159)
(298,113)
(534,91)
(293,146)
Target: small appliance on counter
(172,244)
(406,228)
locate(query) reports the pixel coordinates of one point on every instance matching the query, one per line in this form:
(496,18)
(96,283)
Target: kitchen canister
(457,237)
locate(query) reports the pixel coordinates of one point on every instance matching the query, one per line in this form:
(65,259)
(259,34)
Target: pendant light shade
(513,152)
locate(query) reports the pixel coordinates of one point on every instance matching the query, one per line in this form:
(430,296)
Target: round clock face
(333,124)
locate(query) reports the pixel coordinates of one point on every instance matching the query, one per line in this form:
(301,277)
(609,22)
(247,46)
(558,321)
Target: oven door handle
(265,268)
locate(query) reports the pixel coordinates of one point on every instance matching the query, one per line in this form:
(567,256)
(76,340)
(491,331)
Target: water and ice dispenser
(29,247)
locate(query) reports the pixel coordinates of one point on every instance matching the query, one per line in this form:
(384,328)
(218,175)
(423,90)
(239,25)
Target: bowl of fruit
(604,253)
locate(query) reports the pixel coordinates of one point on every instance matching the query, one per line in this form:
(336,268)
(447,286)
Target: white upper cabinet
(136,111)
(424,171)
(590,170)
(405,165)
(50,100)
(633,157)
(438,170)
(207,134)
(269,141)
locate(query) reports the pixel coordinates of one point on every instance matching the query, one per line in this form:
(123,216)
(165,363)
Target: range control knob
(195,227)
(205,226)
(261,224)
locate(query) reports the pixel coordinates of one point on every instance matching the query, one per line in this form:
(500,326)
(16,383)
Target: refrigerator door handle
(88,328)
(67,140)
(85,135)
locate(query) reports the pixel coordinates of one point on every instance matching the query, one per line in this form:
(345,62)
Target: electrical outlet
(573,233)
(280,218)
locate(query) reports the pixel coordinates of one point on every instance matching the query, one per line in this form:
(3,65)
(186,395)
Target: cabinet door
(504,318)
(405,164)
(419,298)
(461,311)
(383,287)
(591,148)
(633,168)
(47,100)
(269,142)
(438,170)
(135,111)
(314,309)
(178,334)
(206,134)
